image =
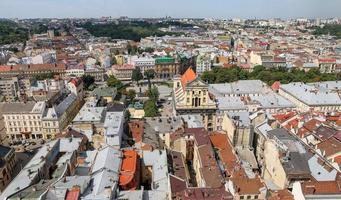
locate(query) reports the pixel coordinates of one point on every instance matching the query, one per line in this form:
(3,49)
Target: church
(191,96)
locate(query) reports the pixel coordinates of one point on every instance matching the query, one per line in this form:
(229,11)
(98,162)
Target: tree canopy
(149,74)
(127,30)
(88,82)
(332,29)
(150,109)
(137,75)
(223,75)
(112,81)
(153,94)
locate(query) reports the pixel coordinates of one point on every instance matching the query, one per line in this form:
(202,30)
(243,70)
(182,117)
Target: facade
(203,63)
(8,161)
(286,159)
(23,120)
(43,119)
(14,89)
(327,65)
(191,96)
(31,70)
(166,67)
(144,63)
(123,72)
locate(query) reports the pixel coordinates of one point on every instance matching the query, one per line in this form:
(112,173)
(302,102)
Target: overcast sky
(173,8)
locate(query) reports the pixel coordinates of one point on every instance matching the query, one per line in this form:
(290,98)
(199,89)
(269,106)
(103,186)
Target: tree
(131,94)
(149,74)
(137,75)
(153,94)
(150,109)
(114,82)
(88,81)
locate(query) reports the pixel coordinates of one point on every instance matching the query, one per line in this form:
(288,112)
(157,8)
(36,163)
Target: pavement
(164,90)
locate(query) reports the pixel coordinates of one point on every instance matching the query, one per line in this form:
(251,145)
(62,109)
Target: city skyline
(160,8)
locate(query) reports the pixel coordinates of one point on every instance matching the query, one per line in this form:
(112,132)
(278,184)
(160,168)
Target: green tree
(114,82)
(137,75)
(131,94)
(88,81)
(149,74)
(153,94)
(150,109)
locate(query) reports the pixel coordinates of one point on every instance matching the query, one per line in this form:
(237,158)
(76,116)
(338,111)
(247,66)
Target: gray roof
(90,113)
(242,118)
(319,172)
(312,94)
(230,103)
(272,100)
(238,87)
(157,159)
(105,174)
(17,107)
(193,121)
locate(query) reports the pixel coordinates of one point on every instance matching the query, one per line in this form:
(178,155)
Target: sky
(224,9)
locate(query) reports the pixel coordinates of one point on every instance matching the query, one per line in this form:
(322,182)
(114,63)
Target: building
(191,96)
(40,120)
(166,67)
(106,93)
(23,120)
(154,178)
(54,159)
(31,70)
(130,170)
(327,65)
(285,159)
(144,63)
(14,89)
(8,161)
(58,116)
(123,72)
(203,63)
(323,96)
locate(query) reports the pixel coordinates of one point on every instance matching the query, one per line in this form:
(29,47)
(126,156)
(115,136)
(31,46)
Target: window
(248,197)
(187,100)
(256,197)
(241,197)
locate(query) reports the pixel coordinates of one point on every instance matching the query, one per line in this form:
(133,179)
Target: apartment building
(14,89)
(8,161)
(321,96)
(166,67)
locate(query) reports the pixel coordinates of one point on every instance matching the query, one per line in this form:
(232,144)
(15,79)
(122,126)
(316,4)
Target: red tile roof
(330,147)
(73,194)
(275,86)
(327,60)
(321,187)
(226,154)
(284,117)
(281,195)
(136,129)
(129,170)
(187,77)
